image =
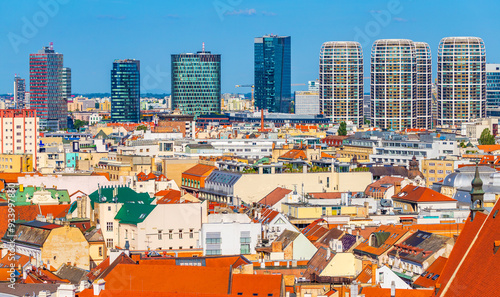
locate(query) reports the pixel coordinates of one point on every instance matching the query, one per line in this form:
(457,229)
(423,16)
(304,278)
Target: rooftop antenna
(203,48)
(51,44)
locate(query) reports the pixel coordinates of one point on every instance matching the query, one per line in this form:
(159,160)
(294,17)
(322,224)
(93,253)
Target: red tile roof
(262,285)
(327,156)
(436,268)
(325,195)
(294,154)
(377,186)
(473,267)
(171,197)
(421,194)
(315,230)
(396,233)
(489,148)
(199,170)
(267,215)
(380,292)
(275,196)
(11,178)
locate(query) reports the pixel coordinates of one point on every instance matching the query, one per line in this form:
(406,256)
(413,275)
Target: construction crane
(248,86)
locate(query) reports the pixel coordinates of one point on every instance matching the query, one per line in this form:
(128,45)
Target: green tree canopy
(342,129)
(79,123)
(486,137)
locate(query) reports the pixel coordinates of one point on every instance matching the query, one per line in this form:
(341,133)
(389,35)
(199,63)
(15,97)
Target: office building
(46,94)
(196,83)
(273,73)
(341,81)
(313,85)
(307,102)
(125,91)
(424,85)
(493,90)
(19,92)
(66,83)
(461,80)
(21,138)
(393,77)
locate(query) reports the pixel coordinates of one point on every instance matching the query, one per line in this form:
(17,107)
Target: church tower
(476,194)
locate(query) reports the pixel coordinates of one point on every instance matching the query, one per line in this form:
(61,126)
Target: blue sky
(92,33)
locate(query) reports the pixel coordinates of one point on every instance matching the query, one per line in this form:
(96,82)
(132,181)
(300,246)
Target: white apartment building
(247,148)
(18,131)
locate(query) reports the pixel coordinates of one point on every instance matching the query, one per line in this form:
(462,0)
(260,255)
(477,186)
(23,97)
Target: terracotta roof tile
(421,194)
(389,234)
(380,292)
(325,195)
(199,170)
(489,148)
(294,154)
(275,196)
(426,279)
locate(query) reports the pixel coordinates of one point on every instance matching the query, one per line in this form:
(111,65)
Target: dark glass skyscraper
(19,92)
(273,73)
(126,91)
(493,90)
(46,93)
(196,83)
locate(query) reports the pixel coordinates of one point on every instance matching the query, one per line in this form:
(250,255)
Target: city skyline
(242,21)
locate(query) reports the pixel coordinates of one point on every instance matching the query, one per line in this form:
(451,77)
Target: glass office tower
(126,91)
(341,81)
(273,73)
(461,80)
(46,93)
(196,83)
(493,90)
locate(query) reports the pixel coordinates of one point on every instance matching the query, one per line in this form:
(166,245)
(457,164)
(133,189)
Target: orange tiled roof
(327,156)
(376,187)
(318,262)
(436,268)
(365,275)
(267,215)
(396,234)
(11,177)
(169,197)
(421,194)
(315,230)
(294,154)
(326,195)
(199,170)
(275,196)
(473,267)
(489,148)
(380,292)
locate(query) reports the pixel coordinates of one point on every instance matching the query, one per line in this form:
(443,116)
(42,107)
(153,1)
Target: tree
(79,123)
(141,127)
(486,137)
(342,129)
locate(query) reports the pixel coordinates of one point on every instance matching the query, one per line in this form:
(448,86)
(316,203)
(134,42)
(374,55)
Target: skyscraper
(273,73)
(196,83)
(461,80)
(45,88)
(493,90)
(126,91)
(393,78)
(66,83)
(19,92)
(341,81)
(424,85)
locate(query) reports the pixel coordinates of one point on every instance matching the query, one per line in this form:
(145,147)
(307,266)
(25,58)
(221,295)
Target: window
(191,233)
(214,240)
(160,237)
(432,171)
(180,233)
(440,171)
(170,234)
(109,208)
(109,243)
(126,234)
(213,252)
(100,251)
(109,226)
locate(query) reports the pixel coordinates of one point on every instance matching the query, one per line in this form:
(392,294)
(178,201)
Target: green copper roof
(134,213)
(25,197)
(124,195)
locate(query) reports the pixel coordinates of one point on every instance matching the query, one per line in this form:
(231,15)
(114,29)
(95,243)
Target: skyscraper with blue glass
(273,73)
(125,91)
(196,83)
(493,90)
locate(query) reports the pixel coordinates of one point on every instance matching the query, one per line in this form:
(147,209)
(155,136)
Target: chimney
(374,274)
(354,289)
(393,289)
(397,187)
(98,286)
(328,253)
(66,290)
